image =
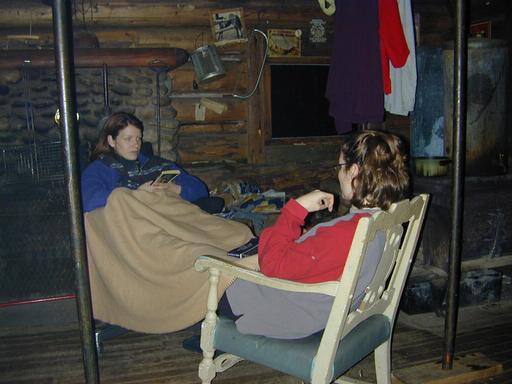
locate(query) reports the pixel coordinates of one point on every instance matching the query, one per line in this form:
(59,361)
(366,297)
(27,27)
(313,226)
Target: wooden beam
(95,57)
(121,13)
(266,118)
(486,262)
(255,107)
(199,95)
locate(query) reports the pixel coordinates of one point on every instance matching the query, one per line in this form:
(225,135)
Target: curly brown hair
(114,124)
(383,176)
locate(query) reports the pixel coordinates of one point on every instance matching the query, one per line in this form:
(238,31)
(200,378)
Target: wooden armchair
(349,335)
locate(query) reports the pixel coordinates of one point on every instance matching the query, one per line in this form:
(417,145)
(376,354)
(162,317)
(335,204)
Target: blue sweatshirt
(102,176)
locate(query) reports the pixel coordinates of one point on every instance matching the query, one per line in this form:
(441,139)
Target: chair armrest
(238,271)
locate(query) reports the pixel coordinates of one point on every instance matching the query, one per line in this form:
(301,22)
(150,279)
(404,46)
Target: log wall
(238,139)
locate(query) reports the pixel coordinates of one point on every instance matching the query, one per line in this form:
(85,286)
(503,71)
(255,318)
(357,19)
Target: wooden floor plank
(53,355)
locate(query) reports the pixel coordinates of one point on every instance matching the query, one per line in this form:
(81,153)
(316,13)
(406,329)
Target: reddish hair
(383,176)
(114,124)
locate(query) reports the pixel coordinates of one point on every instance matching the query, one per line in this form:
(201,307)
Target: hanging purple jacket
(354,85)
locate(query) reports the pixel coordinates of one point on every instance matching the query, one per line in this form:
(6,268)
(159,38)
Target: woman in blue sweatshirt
(118,162)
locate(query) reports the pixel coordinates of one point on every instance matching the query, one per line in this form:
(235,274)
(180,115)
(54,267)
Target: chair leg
(383,363)
(349,380)
(206,369)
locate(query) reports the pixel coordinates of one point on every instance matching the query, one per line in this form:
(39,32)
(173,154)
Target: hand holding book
(166,177)
(164,182)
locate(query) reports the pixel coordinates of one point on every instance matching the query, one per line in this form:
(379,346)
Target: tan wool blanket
(141,249)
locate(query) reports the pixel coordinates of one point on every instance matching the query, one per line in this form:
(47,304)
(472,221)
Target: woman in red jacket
(372,173)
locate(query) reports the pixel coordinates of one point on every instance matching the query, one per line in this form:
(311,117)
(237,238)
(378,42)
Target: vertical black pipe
(106,101)
(457,199)
(63,39)
(158,121)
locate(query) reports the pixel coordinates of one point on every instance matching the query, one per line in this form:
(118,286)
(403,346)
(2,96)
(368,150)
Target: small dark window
(299,106)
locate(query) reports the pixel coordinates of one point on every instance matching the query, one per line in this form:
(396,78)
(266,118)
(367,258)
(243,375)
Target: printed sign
(284,42)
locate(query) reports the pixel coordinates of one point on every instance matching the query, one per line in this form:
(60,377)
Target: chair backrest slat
(401,226)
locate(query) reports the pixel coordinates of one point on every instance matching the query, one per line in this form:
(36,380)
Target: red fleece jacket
(393,46)
(319,257)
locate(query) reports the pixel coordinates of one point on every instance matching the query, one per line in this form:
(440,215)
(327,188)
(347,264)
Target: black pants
(224,309)
(210,204)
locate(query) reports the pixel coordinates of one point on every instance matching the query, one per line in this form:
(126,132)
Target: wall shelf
(169,58)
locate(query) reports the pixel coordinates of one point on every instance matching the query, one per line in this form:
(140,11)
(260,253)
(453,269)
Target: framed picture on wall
(284,42)
(228,25)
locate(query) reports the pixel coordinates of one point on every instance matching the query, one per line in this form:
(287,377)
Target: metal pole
(457,198)
(106,101)
(63,37)
(158,121)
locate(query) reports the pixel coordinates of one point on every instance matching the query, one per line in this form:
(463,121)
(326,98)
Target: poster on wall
(228,26)
(284,42)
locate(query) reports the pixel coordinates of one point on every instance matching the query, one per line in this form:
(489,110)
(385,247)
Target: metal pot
(207,64)
(431,166)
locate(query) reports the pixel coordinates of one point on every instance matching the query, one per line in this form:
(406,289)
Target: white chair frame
(382,295)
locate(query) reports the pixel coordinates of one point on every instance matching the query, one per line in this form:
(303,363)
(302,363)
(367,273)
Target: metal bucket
(486,115)
(207,64)
(431,166)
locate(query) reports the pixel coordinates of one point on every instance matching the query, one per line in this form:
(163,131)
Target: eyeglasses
(337,167)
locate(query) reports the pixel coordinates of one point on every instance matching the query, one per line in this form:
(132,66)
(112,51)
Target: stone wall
(33,92)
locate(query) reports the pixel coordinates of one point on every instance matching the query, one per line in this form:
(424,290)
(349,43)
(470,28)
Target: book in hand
(166,176)
(248,249)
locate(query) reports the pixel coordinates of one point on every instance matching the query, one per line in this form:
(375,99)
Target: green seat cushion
(295,357)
